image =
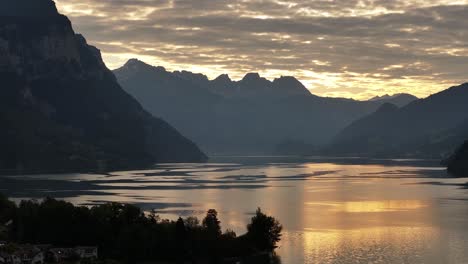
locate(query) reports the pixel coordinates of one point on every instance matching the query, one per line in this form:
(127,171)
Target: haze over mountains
(61,108)
(249,116)
(399,100)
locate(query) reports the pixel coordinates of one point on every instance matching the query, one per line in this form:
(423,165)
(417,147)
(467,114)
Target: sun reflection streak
(372,206)
(375,245)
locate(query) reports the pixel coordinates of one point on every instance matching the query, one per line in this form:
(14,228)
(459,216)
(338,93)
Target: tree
(7,214)
(264,231)
(7,210)
(212,224)
(181,232)
(229,234)
(192,222)
(458,163)
(180,236)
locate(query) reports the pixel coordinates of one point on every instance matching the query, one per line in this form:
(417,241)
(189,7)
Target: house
(14,259)
(29,254)
(40,254)
(6,258)
(61,254)
(8,254)
(33,258)
(87,252)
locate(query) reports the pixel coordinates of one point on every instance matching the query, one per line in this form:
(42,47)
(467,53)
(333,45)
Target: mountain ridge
(249,116)
(399,99)
(405,131)
(250,78)
(62,109)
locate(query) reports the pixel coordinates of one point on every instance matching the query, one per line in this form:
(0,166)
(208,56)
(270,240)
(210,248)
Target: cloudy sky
(348,48)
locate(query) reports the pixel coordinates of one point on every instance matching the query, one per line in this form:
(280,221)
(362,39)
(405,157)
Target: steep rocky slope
(62,109)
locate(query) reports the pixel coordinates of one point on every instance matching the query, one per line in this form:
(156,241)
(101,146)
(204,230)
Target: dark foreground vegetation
(125,233)
(457,164)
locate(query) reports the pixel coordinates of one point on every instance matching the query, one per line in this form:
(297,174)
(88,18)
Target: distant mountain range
(250,116)
(62,109)
(399,100)
(430,127)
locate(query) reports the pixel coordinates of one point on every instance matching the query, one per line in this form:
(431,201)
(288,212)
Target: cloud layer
(349,48)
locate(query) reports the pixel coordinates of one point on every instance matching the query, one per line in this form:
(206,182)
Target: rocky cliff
(62,109)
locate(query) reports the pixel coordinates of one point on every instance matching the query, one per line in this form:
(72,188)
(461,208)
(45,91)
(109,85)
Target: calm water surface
(333,210)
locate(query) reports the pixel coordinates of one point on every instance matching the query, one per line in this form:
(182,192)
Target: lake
(333,210)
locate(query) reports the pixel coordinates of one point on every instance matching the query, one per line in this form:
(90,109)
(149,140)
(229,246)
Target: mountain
(444,143)
(191,114)
(425,127)
(399,100)
(457,164)
(62,109)
(249,116)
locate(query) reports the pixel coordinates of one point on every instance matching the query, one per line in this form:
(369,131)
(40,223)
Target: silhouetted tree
(181,236)
(457,164)
(229,234)
(212,224)
(264,231)
(192,223)
(7,210)
(7,214)
(181,232)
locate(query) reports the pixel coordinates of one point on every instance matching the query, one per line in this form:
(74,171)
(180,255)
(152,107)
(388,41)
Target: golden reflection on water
(368,245)
(372,206)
